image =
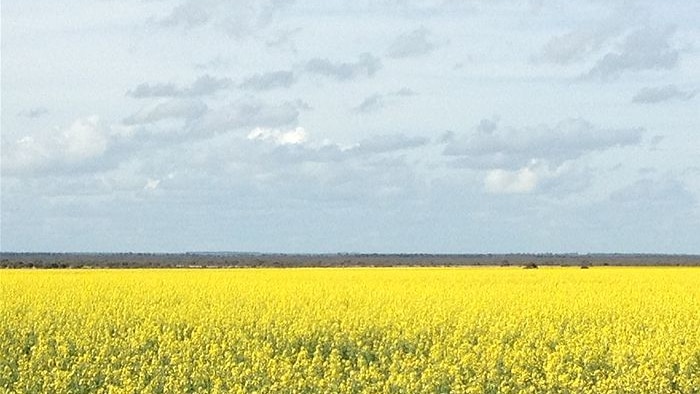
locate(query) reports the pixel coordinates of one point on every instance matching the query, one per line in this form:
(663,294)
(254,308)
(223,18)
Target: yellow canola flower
(351,330)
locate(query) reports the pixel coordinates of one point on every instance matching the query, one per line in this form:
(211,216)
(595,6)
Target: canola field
(351,330)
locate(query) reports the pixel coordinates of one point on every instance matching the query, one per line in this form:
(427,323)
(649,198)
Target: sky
(350,126)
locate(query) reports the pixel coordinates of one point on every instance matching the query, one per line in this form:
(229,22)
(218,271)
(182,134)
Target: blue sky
(358,126)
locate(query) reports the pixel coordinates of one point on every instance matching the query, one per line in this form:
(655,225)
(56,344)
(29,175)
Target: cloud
(389,143)
(217,62)
(248,113)
(647,48)
(652,95)
(295,145)
(537,158)
(237,19)
(206,85)
(33,113)
(188,15)
(622,42)
(83,140)
(367,65)
(404,92)
(151,184)
(203,86)
(538,176)
(188,109)
(154,90)
(88,146)
(487,126)
(492,147)
(376,102)
(500,181)
(284,39)
(654,192)
(280,137)
(371,103)
(580,43)
(412,44)
(269,80)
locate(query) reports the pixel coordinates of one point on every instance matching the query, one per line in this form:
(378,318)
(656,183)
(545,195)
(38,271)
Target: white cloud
(84,139)
(53,150)
(151,184)
(537,176)
(501,181)
(280,137)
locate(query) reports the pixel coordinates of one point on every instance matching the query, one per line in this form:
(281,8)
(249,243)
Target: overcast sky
(351,126)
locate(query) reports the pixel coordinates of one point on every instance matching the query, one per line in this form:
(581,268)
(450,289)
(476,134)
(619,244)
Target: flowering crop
(402,330)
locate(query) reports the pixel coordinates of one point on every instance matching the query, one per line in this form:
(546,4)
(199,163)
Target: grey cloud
(237,19)
(662,206)
(268,81)
(301,104)
(390,143)
(446,137)
(188,15)
(487,126)
(248,113)
(154,90)
(647,191)
(566,180)
(647,48)
(218,62)
(372,103)
(577,44)
(662,203)
(366,65)
(617,42)
(206,85)
(404,92)
(284,39)
(172,109)
(33,113)
(374,147)
(376,102)
(411,44)
(514,148)
(651,95)
(203,86)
